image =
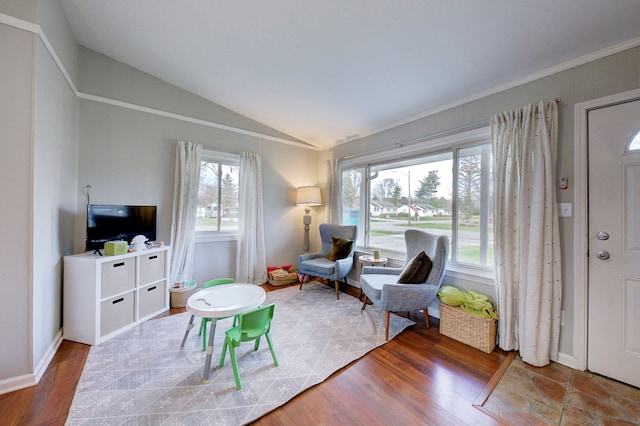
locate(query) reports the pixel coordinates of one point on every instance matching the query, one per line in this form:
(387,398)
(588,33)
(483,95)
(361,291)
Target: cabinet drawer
(152,299)
(118,276)
(151,267)
(116,313)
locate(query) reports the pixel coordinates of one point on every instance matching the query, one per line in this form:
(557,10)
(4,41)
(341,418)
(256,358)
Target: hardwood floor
(420,378)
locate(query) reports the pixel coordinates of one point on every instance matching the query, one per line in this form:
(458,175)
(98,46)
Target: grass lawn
(446,225)
(213,221)
(472,255)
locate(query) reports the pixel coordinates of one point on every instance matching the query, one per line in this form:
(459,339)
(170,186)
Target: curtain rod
(437,135)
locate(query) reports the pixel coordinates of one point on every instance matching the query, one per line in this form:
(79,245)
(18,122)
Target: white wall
(21,9)
(618,72)
(55,172)
(127,156)
(102,76)
(16,109)
(37,166)
(51,18)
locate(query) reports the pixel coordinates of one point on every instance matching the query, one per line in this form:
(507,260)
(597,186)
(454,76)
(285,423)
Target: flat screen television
(111,222)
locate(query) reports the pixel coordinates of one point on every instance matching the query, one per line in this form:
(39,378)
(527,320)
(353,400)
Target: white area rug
(143,377)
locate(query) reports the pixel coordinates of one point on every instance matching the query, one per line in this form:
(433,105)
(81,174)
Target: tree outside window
(218,195)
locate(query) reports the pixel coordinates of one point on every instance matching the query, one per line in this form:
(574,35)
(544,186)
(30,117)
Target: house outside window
(441,187)
(217,213)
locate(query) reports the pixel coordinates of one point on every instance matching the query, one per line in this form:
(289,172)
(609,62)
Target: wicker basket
(469,329)
(276,279)
(178,295)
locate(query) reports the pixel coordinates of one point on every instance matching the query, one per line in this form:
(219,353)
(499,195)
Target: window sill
(462,272)
(478,275)
(214,237)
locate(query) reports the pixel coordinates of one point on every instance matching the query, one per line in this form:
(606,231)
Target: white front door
(614,243)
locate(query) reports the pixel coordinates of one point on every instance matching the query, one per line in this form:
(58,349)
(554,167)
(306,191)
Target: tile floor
(558,395)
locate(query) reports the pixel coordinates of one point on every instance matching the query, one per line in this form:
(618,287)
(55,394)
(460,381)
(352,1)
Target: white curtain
(334,192)
(527,239)
(251,259)
(185,206)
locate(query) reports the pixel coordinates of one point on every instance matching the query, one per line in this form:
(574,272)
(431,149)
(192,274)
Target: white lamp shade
(308,196)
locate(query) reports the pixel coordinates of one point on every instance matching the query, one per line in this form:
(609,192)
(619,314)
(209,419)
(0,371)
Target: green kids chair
(205,321)
(251,326)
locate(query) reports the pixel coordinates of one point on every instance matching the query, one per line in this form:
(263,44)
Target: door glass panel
(634,145)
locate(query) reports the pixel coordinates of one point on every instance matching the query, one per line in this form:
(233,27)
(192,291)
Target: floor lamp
(307,196)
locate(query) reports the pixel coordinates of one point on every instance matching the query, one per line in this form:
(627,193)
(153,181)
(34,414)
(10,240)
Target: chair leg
(387,314)
(234,364)
(224,352)
(364,302)
(203,329)
(304,277)
(273,354)
(337,284)
(426,316)
(256,345)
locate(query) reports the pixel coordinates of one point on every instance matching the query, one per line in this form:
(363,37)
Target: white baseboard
(17,383)
(26,380)
(567,360)
(48,356)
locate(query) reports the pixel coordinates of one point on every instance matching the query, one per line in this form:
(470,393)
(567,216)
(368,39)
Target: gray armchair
(379,284)
(317,264)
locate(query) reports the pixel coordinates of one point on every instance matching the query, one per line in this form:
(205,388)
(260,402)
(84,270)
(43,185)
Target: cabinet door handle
(153,257)
(118,300)
(115,265)
(151,288)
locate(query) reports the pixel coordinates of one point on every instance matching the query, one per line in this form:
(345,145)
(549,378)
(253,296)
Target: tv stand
(106,295)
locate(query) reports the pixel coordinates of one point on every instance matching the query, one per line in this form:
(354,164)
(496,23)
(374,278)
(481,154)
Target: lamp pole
(307,196)
(306,220)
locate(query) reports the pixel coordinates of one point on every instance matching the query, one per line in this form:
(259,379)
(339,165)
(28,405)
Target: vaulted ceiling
(329,71)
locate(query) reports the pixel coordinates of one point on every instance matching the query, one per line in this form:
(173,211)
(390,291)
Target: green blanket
(470,300)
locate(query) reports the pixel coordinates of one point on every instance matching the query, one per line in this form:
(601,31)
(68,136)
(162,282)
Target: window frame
(426,147)
(485,205)
(225,158)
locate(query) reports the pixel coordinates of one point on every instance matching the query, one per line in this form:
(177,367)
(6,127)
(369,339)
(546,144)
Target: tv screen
(109,222)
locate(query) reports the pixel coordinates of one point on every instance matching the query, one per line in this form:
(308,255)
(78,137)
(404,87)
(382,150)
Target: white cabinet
(105,295)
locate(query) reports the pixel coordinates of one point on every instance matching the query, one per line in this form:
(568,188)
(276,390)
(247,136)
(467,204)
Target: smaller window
(218,194)
(634,145)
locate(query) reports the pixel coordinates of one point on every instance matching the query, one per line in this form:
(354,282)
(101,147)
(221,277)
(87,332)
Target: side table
(369,260)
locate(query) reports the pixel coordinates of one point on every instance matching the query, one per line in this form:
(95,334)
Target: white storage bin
(116,313)
(118,276)
(152,267)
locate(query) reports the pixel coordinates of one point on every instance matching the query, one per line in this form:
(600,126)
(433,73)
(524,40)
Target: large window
(446,190)
(218,194)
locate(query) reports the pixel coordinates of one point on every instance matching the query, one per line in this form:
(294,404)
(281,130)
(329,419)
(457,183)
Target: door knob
(602,236)
(602,254)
